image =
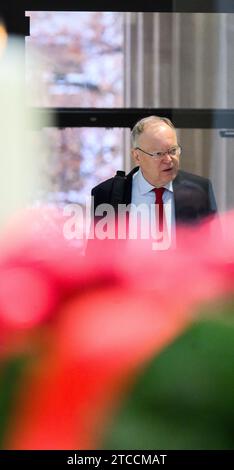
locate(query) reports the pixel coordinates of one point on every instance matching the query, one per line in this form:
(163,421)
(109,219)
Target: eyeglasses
(173,151)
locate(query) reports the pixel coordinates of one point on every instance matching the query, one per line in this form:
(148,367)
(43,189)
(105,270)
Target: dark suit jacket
(194,196)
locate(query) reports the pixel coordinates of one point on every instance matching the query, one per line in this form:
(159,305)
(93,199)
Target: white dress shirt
(142,193)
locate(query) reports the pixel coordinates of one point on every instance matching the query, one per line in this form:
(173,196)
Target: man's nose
(166,156)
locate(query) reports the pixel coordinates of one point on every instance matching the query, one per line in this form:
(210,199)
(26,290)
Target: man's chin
(169,175)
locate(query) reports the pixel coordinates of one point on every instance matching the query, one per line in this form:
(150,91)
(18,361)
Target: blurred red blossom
(92,322)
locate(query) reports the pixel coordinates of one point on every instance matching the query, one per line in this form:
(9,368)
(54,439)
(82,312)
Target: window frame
(16,22)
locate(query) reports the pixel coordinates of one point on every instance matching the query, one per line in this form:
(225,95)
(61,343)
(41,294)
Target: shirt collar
(145,187)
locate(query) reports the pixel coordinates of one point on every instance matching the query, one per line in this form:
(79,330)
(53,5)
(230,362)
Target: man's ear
(135,155)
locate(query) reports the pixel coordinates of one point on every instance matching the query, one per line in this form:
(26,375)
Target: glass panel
(73,160)
(82,58)
(205,152)
(185,61)
(113,59)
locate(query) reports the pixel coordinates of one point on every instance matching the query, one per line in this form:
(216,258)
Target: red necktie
(159,200)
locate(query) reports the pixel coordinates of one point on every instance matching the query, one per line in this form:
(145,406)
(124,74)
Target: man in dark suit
(181,197)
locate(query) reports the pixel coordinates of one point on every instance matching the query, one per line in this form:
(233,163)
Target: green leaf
(184,399)
(10,381)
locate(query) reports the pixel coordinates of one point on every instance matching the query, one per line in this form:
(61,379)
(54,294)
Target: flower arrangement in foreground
(127,348)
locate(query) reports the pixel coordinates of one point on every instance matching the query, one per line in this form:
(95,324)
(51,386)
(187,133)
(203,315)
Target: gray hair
(140,126)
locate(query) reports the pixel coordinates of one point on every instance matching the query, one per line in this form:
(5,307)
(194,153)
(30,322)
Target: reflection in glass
(82,54)
(73,160)
(113,59)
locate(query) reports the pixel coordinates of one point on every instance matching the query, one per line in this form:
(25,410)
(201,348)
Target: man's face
(157,137)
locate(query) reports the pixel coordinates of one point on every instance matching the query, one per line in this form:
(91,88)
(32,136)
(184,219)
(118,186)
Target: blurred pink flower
(98,321)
